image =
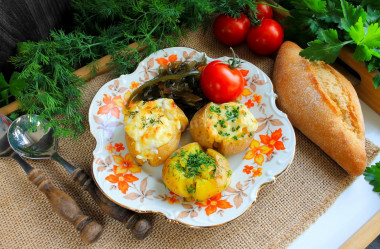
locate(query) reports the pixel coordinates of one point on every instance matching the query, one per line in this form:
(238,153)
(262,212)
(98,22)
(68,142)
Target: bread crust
(332,119)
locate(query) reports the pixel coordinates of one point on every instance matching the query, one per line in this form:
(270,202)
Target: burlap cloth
(282,212)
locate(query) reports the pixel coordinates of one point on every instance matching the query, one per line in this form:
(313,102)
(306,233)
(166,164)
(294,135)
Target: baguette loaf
(323,105)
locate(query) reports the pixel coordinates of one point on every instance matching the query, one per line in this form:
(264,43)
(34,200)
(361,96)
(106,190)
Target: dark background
(23,20)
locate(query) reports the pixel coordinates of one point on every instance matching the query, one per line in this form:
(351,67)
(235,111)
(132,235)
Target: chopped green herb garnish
(174,154)
(183,153)
(195,164)
(131,114)
(191,189)
(144,123)
(235,137)
(215,109)
(232,115)
(222,122)
(151,121)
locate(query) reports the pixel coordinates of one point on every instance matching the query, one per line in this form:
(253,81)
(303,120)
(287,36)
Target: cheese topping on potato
(151,124)
(230,120)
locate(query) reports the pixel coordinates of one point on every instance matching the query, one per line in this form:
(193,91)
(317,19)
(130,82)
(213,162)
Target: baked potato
(227,128)
(196,175)
(153,130)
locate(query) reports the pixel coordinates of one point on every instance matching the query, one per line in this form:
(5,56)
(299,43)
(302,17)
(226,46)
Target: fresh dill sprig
(102,27)
(53,91)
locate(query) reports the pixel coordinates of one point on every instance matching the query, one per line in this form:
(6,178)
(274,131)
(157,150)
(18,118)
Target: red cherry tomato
(264,11)
(266,38)
(220,83)
(231,31)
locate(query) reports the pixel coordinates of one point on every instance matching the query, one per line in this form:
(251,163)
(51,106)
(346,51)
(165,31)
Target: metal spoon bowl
(36,143)
(32,138)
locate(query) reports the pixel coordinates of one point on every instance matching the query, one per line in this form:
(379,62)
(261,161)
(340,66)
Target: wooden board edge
(365,235)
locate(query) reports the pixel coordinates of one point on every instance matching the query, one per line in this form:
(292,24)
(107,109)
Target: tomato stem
(235,61)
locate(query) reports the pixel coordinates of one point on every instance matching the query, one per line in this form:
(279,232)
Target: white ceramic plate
(141,188)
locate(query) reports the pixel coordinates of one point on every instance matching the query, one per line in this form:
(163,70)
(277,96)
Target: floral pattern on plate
(141,188)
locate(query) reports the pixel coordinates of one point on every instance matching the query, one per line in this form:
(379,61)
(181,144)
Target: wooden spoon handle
(140,227)
(66,207)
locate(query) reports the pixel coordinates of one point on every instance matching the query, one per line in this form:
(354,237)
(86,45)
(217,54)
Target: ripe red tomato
(220,83)
(264,11)
(266,38)
(231,31)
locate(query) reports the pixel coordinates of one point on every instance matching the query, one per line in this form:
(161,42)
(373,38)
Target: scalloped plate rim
(257,189)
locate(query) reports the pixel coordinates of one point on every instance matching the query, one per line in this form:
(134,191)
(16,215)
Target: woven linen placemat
(282,212)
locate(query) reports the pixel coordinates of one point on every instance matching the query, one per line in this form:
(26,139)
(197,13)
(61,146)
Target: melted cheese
(230,121)
(151,124)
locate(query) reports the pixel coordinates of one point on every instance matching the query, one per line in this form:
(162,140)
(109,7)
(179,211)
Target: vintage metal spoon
(40,144)
(62,203)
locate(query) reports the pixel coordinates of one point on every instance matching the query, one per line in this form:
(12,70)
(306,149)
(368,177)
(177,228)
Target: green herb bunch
(102,27)
(329,25)
(14,87)
(372,174)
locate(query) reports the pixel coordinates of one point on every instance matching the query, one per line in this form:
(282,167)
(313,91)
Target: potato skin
(230,147)
(163,151)
(205,184)
(200,132)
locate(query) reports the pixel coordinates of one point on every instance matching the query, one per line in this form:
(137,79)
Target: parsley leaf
(374,63)
(16,84)
(341,23)
(376,81)
(366,40)
(372,174)
(3,82)
(362,53)
(13,88)
(373,14)
(327,48)
(372,37)
(357,31)
(318,6)
(373,3)
(351,15)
